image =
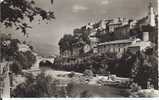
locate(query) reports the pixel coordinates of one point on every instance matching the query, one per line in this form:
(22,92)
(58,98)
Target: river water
(92,90)
(99,91)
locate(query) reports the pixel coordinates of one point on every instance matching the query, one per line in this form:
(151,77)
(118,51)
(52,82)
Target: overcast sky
(72,14)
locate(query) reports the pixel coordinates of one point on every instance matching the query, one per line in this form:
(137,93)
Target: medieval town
(110,57)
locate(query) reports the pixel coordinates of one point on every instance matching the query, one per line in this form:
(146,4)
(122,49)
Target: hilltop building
(114,46)
(151,16)
(122,31)
(128,35)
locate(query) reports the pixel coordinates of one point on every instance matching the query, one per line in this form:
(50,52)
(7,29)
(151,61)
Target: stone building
(118,46)
(114,24)
(93,39)
(122,32)
(140,46)
(122,46)
(148,25)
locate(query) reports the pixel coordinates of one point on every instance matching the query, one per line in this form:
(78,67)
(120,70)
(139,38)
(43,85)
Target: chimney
(145,36)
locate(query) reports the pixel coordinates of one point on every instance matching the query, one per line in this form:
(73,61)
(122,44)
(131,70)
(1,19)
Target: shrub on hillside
(147,69)
(146,93)
(72,74)
(86,94)
(88,73)
(40,86)
(16,68)
(69,88)
(22,60)
(43,86)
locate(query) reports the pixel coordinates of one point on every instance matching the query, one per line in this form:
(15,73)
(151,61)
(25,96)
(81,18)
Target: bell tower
(151,15)
(150,23)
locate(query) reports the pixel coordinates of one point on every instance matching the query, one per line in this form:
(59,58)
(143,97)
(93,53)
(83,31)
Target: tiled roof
(116,42)
(118,23)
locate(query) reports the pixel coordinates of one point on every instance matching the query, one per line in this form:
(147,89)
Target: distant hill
(45,49)
(40,47)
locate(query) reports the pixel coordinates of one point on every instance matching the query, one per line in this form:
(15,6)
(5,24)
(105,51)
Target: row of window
(68,53)
(112,48)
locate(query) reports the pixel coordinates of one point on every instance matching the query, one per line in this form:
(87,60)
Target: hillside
(44,49)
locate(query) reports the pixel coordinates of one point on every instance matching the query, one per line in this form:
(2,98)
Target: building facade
(123,30)
(118,46)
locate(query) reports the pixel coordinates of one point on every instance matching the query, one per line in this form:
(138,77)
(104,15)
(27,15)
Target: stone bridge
(39,59)
(35,70)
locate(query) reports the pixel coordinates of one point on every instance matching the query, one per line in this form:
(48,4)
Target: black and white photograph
(79,49)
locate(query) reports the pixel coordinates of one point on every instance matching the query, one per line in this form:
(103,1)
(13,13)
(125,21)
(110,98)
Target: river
(92,90)
(99,91)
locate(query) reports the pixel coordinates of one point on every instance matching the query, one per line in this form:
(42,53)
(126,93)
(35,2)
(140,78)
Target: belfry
(151,15)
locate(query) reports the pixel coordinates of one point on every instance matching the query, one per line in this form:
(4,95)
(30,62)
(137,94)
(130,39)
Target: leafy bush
(16,68)
(14,13)
(33,87)
(72,74)
(69,88)
(42,86)
(88,73)
(147,70)
(135,87)
(86,94)
(147,93)
(22,60)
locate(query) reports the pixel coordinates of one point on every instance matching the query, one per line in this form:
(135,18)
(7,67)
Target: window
(113,49)
(124,50)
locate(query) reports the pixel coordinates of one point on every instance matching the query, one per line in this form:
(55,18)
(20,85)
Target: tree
(41,86)
(13,13)
(37,87)
(13,47)
(148,71)
(22,60)
(65,43)
(16,68)
(8,46)
(144,68)
(88,73)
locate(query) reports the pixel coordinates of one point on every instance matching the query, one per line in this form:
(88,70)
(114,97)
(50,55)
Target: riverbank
(146,93)
(84,86)
(90,85)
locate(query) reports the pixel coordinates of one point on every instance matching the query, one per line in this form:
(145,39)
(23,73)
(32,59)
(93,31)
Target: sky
(71,14)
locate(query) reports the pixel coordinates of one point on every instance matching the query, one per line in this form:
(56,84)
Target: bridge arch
(40,59)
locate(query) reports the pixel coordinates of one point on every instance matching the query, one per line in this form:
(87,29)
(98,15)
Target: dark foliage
(72,74)
(16,68)
(142,66)
(86,94)
(8,46)
(42,86)
(37,87)
(13,12)
(78,39)
(10,52)
(66,43)
(22,60)
(147,71)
